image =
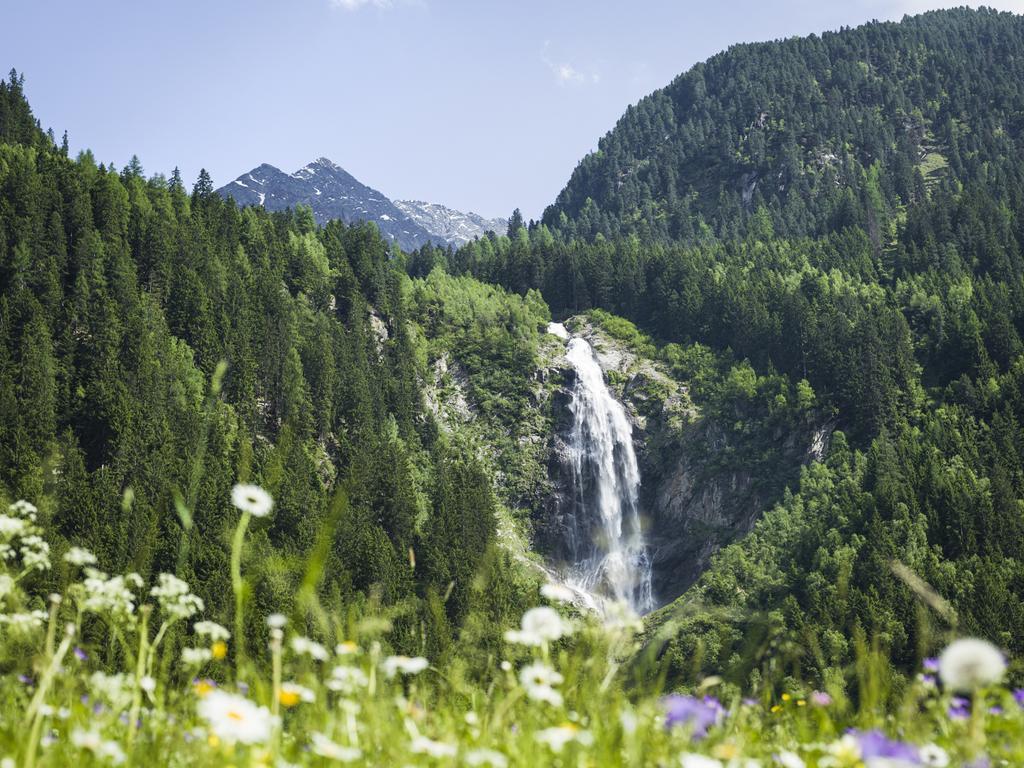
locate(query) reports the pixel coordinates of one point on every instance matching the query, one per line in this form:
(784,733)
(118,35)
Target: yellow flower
(776,708)
(219,650)
(726,751)
(801,703)
(786,697)
(291,694)
(345,648)
(202,687)
(289,698)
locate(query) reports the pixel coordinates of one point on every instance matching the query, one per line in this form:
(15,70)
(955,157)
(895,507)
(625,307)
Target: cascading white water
(605,537)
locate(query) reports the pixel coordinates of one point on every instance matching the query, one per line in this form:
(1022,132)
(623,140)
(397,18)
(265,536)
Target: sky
(479,105)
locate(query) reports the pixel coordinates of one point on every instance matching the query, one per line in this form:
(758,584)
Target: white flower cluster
(19,536)
(539,626)
(79,556)
(24,623)
(107,595)
(175,597)
(322,746)
(212,630)
(306,647)
(93,741)
(347,680)
(115,690)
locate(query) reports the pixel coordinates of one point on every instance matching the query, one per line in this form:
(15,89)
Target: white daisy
(252,499)
(324,747)
(540,680)
(933,755)
(405,665)
(556,738)
(234,718)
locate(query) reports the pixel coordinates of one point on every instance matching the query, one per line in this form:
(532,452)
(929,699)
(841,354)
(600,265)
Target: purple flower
(25,680)
(80,654)
(996,710)
(876,744)
(1018,696)
(698,714)
(959,708)
(931,664)
(929,680)
(820,699)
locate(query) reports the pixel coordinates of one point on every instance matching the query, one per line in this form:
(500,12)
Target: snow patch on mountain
(453,226)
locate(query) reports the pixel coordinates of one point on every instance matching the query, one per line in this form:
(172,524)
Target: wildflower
(959,708)
(35,553)
(25,509)
(557,592)
(252,499)
(934,755)
(306,647)
(175,597)
(212,630)
(24,623)
(788,759)
(930,664)
(203,687)
(324,747)
(195,657)
(843,752)
(346,648)
(485,757)
(538,626)
(79,556)
(112,596)
(421,745)
(219,650)
(12,526)
(693,760)
(970,663)
(292,694)
(93,741)
(405,665)
(277,621)
(113,689)
(1018,696)
(540,680)
(347,680)
(879,751)
(80,654)
(234,718)
(697,714)
(558,737)
(148,684)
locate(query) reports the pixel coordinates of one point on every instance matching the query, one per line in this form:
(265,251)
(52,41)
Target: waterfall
(605,540)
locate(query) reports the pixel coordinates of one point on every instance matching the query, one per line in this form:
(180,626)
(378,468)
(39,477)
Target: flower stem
(237,586)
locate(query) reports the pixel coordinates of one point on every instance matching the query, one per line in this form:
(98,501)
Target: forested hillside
(158,346)
(881,274)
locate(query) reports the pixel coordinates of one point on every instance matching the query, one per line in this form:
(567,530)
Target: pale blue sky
(479,105)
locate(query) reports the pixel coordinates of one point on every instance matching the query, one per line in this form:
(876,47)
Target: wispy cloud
(355,5)
(564,72)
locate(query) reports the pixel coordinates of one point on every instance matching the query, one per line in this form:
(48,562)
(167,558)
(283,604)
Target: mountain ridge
(334,193)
